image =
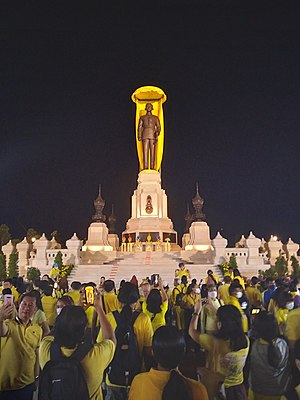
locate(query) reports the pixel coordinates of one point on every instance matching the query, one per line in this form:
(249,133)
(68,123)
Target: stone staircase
(142,265)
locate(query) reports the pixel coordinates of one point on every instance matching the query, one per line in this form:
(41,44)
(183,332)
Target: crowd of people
(239,337)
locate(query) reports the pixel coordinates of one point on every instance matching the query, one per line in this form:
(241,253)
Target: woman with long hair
(156,306)
(227,352)
(165,382)
(285,305)
(269,360)
(39,317)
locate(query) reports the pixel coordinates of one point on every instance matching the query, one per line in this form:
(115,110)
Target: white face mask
(58,310)
(238,295)
(290,306)
(197,291)
(213,294)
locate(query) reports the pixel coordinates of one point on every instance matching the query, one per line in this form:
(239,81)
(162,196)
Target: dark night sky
(231,73)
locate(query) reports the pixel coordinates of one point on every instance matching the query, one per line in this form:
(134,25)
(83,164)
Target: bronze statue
(148,132)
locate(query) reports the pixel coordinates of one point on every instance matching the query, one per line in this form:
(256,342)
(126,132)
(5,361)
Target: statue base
(149,221)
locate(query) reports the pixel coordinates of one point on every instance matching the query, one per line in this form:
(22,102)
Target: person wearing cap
(128,297)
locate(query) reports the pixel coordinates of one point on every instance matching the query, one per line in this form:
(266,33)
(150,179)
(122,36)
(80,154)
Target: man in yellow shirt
(236,293)
(74,293)
(182,271)
(111,302)
(253,293)
(19,340)
(49,305)
(223,290)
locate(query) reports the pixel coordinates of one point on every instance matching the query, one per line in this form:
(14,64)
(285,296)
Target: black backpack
(126,363)
(179,297)
(62,378)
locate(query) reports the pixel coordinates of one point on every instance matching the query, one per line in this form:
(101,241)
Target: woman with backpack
(71,367)
(165,382)
(134,333)
(269,360)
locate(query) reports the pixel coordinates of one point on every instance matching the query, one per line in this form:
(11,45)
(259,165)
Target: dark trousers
(25,393)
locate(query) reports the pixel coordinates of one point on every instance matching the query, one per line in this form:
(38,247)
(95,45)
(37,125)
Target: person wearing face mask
(285,305)
(63,302)
(236,293)
(208,315)
(188,302)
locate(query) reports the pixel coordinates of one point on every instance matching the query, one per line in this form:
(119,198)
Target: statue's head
(149,107)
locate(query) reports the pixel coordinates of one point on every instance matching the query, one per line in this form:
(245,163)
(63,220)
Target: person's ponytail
(176,387)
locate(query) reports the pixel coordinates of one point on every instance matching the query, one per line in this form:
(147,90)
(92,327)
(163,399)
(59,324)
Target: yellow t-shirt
(178,289)
(183,272)
(75,295)
(223,292)
(254,296)
(208,316)
(93,364)
(142,328)
(293,325)
(150,386)
(111,302)
(190,300)
(159,318)
(49,307)
(17,355)
(234,301)
(221,359)
(281,317)
(89,314)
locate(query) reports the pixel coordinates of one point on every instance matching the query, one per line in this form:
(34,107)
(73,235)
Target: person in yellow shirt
(182,271)
(74,293)
(285,305)
(236,293)
(69,331)
(237,276)
(211,278)
(156,306)
(227,352)
(188,302)
(253,293)
(178,293)
(19,344)
(208,315)
(128,297)
(166,381)
(110,299)
(145,289)
(223,290)
(293,327)
(49,306)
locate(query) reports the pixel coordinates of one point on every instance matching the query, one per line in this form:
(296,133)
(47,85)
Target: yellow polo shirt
(49,307)
(75,295)
(111,302)
(93,364)
(150,386)
(17,355)
(254,296)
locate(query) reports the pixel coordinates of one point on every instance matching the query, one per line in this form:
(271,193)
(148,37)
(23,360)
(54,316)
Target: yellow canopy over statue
(149,126)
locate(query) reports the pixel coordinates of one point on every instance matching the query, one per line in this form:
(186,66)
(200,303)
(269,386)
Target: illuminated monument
(149,220)
(149,243)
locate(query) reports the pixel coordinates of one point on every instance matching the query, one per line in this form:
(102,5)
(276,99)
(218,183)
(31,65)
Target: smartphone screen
(89,294)
(8,299)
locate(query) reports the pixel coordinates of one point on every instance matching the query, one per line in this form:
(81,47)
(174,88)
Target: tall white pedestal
(149,211)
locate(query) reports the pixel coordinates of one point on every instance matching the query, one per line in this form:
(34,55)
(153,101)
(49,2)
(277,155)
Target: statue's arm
(140,129)
(157,127)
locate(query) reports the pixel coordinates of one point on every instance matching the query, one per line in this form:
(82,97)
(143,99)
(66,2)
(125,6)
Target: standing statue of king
(149,126)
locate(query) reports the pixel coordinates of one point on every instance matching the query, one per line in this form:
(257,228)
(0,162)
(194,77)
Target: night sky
(231,73)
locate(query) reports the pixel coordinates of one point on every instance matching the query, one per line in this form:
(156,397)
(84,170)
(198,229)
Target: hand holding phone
(8,299)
